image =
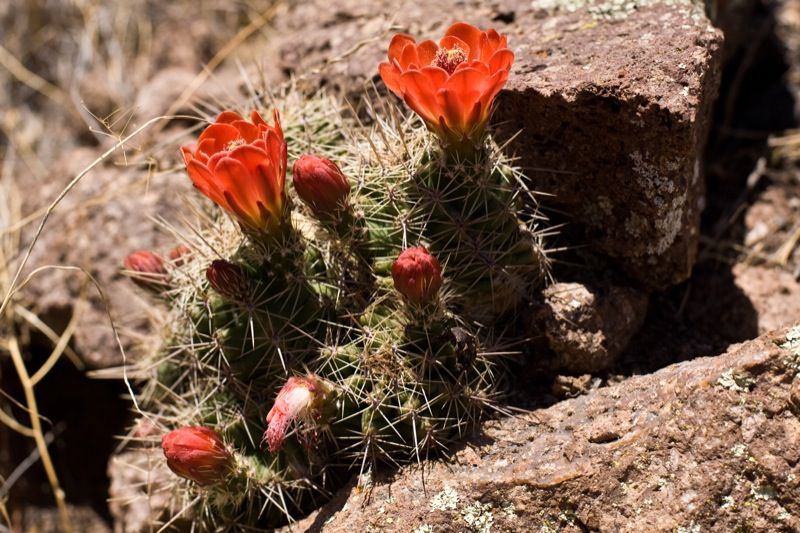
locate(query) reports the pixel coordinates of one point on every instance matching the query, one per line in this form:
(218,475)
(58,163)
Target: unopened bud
(147,270)
(197,453)
(229,280)
(417,275)
(179,254)
(321,185)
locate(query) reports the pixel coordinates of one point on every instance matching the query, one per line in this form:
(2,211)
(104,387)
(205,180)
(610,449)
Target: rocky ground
(660,132)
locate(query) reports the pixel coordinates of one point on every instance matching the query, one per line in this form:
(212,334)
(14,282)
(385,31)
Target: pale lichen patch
(478,517)
(510,512)
(735,382)
(792,344)
(660,190)
(739,450)
(614,10)
(763,492)
(446,500)
(727,502)
(693,527)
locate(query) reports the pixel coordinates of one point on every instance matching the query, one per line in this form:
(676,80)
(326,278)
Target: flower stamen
(448,59)
(236,143)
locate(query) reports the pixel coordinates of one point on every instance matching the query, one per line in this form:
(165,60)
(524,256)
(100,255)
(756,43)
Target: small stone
(588,328)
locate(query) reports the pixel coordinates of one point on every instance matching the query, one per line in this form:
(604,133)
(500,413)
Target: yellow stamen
(236,143)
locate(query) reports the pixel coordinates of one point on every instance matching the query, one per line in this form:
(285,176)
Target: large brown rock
(612,102)
(706,445)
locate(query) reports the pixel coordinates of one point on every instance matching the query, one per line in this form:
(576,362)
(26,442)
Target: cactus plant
(360,326)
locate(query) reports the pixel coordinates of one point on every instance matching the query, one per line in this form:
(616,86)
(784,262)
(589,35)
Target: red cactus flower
(197,453)
(147,270)
(229,279)
(320,184)
(452,85)
(241,166)
(300,397)
(417,275)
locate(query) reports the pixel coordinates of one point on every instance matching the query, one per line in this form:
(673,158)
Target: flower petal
(238,186)
(390,75)
(222,134)
(228,117)
(247,131)
(408,56)
(257,119)
(501,60)
(205,182)
(469,34)
(399,42)
(205,147)
(450,41)
(420,92)
(426,50)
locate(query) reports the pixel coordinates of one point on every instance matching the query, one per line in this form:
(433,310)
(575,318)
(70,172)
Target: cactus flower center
(234,144)
(448,59)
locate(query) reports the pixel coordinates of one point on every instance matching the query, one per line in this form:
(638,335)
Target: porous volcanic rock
(611,101)
(589,327)
(711,444)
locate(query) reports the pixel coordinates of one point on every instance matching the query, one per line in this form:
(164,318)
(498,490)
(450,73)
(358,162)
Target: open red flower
(452,85)
(241,166)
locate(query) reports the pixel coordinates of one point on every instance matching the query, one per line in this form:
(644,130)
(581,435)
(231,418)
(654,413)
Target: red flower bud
(147,270)
(229,279)
(300,397)
(320,184)
(417,275)
(178,254)
(197,453)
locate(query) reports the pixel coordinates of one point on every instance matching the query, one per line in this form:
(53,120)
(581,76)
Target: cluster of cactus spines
(309,339)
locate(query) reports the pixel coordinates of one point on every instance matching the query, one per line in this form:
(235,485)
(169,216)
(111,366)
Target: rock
(572,386)
(42,519)
(774,293)
(109,214)
(588,328)
(611,102)
(166,87)
(711,444)
(137,493)
(787,16)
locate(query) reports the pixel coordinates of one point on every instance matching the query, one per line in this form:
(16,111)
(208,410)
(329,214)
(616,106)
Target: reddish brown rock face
(612,120)
(611,103)
(706,445)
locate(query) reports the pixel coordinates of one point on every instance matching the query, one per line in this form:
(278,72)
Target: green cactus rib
(407,380)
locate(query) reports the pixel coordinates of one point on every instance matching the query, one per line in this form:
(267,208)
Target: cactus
(358,327)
